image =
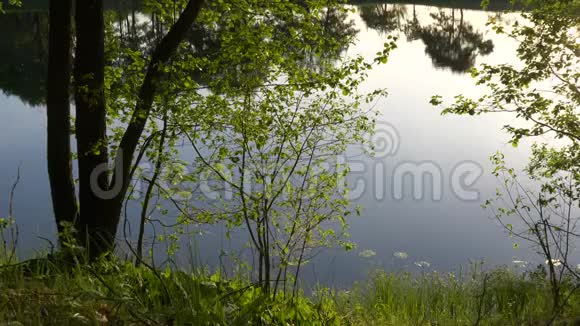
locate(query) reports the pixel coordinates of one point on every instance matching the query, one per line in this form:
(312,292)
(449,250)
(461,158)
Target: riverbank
(40,292)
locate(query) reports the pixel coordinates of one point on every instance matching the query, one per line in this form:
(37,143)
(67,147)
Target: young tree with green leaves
(264,123)
(124,90)
(272,162)
(543,92)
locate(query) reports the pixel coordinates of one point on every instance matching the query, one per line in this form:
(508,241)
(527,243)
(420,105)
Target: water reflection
(131,26)
(453,43)
(24,55)
(384,17)
(450,41)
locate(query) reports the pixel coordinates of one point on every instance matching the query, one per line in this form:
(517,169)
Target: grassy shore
(40,292)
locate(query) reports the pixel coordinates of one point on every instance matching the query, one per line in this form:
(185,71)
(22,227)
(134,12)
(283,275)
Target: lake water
(440,221)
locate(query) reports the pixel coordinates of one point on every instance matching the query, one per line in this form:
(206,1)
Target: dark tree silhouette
(450,41)
(24,56)
(453,43)
(412,27)
(58,114)
(384,18)
(99,214)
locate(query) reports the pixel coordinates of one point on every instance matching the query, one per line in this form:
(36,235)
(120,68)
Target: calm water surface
(435,49)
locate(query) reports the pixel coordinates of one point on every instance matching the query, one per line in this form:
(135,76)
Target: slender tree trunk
(267,258)
(58,113)
(163,52)
(95,228)
(149,192)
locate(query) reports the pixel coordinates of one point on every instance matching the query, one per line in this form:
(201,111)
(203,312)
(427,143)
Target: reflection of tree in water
(412,27)
(384,17)
(453,43)
(205,41)
(24,55)
(450,41)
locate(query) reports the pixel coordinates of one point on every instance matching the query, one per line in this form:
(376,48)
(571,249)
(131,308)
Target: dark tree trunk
(96,231)
(100,200)
(58,114)
(163,52)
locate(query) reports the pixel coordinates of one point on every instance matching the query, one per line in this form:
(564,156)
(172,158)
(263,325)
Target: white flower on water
(367,253)
(422,264)
(401,255)
(520,263)
(555,262)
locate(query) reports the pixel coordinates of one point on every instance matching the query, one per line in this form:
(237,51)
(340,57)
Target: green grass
(41,292)
(503,297)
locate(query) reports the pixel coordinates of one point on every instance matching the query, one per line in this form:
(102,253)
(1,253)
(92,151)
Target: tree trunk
(100,201)
(95,229)
(163,52)
(58,114)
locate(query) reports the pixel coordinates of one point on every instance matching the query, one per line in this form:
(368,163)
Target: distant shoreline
(495,5)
